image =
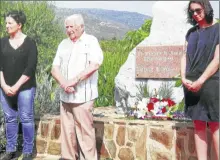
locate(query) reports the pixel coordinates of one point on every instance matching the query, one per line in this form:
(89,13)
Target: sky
(143,7)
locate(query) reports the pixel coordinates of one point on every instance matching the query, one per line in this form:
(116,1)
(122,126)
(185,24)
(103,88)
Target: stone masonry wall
(121,139)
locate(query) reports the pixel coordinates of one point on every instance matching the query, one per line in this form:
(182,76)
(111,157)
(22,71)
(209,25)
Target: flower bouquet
(153,108)
(157,105)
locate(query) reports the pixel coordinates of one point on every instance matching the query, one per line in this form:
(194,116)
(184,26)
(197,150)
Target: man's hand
(70,90)
(72,82)
(65,84)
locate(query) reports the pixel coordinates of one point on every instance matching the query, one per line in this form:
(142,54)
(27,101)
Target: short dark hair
(207,9)
(18,16)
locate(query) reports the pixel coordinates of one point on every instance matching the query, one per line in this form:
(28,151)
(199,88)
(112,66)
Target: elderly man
(75,68)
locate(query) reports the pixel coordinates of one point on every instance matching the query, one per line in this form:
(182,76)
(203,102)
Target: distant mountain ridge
(105,24)
(132,19)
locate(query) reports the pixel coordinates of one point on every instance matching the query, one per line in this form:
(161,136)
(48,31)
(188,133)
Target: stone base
(118,138)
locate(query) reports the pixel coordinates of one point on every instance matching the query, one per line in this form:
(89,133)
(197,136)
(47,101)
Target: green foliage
(46,31)
(40,25)
(135,37)
(2,144)
(115,55)
(178,83)
(47,96)
(2,131)
(165,90)
(143,91)
(181,106)
(178,107)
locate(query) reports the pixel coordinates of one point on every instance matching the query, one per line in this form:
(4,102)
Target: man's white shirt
(73,58)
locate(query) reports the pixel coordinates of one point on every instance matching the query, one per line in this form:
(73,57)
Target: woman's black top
(201,49)
(204,104)
(17,62)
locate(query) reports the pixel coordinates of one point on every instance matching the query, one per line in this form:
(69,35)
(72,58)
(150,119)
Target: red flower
(154,100)
(169,101)
(164,110)
(150,106)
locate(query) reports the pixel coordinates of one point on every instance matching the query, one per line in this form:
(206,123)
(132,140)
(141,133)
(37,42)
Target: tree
(43,27)
(40,25)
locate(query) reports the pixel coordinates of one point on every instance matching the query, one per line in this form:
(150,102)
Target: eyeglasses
(197,10)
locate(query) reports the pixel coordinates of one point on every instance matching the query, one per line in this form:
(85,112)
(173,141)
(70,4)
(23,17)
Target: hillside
(105,24)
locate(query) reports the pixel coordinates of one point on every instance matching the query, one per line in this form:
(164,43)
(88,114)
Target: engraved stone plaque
(158,61)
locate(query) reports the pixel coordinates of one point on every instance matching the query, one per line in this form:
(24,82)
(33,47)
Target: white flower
(141,106)
(164,103)
(153,111)
(157,105)
(140,114)
(145,101)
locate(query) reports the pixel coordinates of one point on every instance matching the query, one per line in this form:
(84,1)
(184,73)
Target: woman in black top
(18,59)
(200,75)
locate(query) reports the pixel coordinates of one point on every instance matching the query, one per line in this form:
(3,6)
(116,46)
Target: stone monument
(168,28)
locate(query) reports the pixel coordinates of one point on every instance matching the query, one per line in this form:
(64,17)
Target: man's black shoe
(8,156)
(27,156)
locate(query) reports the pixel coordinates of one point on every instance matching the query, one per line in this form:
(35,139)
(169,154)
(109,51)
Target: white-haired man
(75,68)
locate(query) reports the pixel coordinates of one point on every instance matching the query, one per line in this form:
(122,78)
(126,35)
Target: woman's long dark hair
(207,9)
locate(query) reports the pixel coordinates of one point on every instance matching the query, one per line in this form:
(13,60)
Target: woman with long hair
(200,75)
